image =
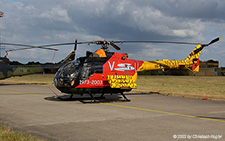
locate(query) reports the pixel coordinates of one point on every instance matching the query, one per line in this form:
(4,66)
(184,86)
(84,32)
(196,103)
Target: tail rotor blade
(215,40)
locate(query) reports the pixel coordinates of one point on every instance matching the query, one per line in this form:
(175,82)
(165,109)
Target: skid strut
(124,97)
(92,97)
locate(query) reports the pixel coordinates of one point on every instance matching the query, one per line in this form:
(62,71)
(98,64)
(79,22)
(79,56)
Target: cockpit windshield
(70,70)
(71,67)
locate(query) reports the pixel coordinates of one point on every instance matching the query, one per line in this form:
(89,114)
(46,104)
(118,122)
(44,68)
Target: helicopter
(108,72)
(8,70)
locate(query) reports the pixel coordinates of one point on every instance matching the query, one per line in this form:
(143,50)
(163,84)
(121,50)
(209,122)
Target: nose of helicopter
(64,83)
(61,80)
(65,75)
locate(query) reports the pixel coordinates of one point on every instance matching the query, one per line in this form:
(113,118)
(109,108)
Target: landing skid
(102,97)
(93,99)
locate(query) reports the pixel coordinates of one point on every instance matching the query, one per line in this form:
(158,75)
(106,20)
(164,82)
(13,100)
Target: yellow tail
(194,54)
(192,61)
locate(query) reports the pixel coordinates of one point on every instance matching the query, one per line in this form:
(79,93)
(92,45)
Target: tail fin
(194,54)
(198,49)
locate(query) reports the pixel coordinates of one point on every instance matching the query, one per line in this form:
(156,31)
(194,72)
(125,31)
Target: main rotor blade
(112,43)
(169,42)
(115,46)
(11,44)
(33,48)
(26,47)
(163,42)
(63,44)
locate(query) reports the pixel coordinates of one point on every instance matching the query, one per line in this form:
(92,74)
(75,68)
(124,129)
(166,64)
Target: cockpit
(75,72)
(67,73)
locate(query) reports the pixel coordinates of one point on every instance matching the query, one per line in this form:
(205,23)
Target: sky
(39,22)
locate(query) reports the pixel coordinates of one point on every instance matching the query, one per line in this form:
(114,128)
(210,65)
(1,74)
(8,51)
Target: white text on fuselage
(121,67)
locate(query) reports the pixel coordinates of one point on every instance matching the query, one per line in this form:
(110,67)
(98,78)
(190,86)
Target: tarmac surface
(33,109)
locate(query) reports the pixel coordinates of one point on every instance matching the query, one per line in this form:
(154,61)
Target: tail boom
(165,64)
(191,61)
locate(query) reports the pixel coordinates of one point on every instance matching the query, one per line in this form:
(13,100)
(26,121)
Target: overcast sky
(39,22)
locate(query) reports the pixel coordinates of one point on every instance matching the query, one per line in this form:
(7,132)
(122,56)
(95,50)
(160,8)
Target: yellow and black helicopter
(108,72)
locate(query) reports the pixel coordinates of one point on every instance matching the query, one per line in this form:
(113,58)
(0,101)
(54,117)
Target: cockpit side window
(86,70)
(98,67)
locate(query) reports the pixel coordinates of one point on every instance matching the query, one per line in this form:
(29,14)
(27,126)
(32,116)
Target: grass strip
(6,134)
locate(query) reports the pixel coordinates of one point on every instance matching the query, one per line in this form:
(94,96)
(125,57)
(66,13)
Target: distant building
(208,68)
(209,64)
(222,71)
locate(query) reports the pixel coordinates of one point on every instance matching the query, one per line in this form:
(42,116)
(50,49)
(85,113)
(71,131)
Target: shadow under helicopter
(97,98)
(87,99)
